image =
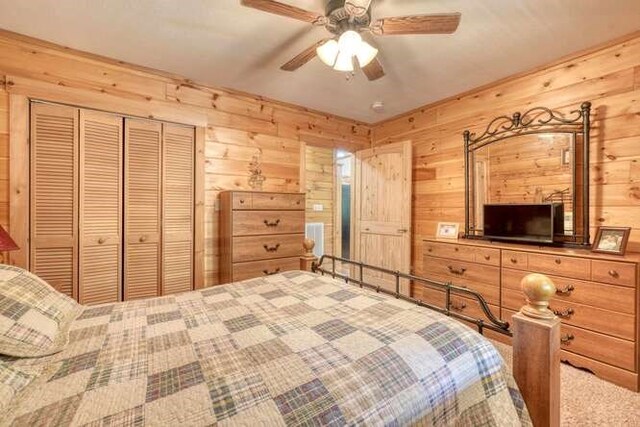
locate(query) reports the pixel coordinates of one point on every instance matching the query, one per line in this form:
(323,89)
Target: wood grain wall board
(607,77)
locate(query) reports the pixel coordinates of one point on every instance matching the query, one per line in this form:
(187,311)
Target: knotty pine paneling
(238,125)
(320,189)
(609,77)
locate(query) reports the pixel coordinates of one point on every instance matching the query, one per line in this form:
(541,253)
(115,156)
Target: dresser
(260,233)
(596,299)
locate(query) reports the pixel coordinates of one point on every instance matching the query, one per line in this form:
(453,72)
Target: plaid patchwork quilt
(288,349)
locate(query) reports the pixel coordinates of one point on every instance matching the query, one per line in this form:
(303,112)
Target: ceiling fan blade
(282,9)
(445,23)
(357,8)
(373,70)
(303,57)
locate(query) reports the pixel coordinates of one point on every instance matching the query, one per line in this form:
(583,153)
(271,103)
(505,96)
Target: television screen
(523,222)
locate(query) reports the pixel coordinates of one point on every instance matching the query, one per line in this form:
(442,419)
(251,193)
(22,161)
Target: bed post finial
(536,351)
(308,258)
(538,289)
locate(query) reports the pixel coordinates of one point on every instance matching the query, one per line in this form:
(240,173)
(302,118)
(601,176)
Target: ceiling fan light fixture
(349,42)
(328,52)
(366,53)
(344,62)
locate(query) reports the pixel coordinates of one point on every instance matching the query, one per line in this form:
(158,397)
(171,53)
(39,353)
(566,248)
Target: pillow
(12,380)
(34,317)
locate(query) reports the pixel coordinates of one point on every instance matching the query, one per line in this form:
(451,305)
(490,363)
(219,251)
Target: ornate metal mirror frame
(538,120)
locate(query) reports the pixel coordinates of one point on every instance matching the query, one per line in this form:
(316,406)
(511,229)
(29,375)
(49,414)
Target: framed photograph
(611,240)
(447,230)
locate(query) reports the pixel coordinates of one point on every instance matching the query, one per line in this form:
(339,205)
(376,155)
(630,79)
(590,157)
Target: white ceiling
(221,43)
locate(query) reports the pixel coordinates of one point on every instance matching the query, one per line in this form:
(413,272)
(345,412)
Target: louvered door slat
(177,202)
(54,199)
(101,137)
(143,146)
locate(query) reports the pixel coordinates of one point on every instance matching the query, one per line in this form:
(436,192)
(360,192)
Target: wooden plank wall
(237,125)
(608,76)
(320,188)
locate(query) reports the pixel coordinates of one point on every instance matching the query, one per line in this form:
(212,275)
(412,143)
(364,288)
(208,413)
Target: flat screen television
(535,223)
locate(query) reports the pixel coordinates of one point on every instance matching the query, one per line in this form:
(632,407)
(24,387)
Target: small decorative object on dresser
(447,230)
(6,244)
(260,233)
(611,240)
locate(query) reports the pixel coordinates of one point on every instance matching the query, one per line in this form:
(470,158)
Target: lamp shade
(365,53)
(328,52)
(6,242)
(344,62)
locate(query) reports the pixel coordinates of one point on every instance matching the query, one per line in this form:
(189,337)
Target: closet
(112,204)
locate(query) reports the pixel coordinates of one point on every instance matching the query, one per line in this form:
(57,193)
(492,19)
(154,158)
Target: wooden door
(142,208)
(382,191)
(100,216)
(177,208)
(54,195)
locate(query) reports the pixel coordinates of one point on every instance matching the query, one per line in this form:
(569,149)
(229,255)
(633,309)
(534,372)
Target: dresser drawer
(577,268)
(614,298)
(267,222)
(592,318)
(241,200)
(616,273)
(607,349)
(449,250)
(514,259)
(272,201)
(455,269)
(249,270)
(489,256)
(253,248)
(491,293)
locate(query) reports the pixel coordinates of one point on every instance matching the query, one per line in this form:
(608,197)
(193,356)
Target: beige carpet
(586,400)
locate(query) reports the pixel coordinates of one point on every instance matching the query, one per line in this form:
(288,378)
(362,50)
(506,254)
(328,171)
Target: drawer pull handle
(513,261)
(430,250)
(566,290)
(456,249)
(566,338)
(614,274)
(487,257)
(101,240)
(272,248)
(567,312)
(459,271)
(142,239)
(241,201)
(558,261)
(458,306)
(271,273)
(272,223)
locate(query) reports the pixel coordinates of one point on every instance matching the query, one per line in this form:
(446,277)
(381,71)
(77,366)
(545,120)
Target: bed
(295,348)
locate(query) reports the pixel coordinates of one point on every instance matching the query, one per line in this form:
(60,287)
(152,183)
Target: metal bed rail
(494,323)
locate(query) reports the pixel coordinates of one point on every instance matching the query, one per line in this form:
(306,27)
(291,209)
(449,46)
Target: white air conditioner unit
(315,231)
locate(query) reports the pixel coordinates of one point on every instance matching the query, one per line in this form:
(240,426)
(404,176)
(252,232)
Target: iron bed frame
(494,323)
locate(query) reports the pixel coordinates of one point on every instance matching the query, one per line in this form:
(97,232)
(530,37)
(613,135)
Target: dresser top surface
(262,192)
(578,252)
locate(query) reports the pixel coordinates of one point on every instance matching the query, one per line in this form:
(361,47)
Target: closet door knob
(142,239)
(101,240)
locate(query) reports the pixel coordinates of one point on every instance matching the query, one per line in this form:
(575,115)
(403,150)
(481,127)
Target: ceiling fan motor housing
(339,21)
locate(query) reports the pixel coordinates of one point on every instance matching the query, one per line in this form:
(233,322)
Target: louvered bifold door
(54,195)
(101,137)
(178,208)
(143,168)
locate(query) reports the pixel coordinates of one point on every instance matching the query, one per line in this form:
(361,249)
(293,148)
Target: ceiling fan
(346,20)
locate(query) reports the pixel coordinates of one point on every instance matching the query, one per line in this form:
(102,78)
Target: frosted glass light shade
(344,62)
(328,52)
(349,42)
(365,53)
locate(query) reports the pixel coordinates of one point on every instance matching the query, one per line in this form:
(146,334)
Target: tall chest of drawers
(260,233)
(597,296)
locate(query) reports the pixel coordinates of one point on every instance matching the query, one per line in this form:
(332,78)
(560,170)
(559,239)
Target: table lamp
(6,243)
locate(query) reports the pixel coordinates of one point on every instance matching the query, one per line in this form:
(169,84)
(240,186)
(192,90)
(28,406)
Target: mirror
(533,158)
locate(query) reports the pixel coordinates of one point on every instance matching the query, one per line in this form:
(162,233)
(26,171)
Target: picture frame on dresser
(447,230)
(611,240)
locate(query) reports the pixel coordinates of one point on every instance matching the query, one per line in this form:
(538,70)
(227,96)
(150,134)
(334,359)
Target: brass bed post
(536,351)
